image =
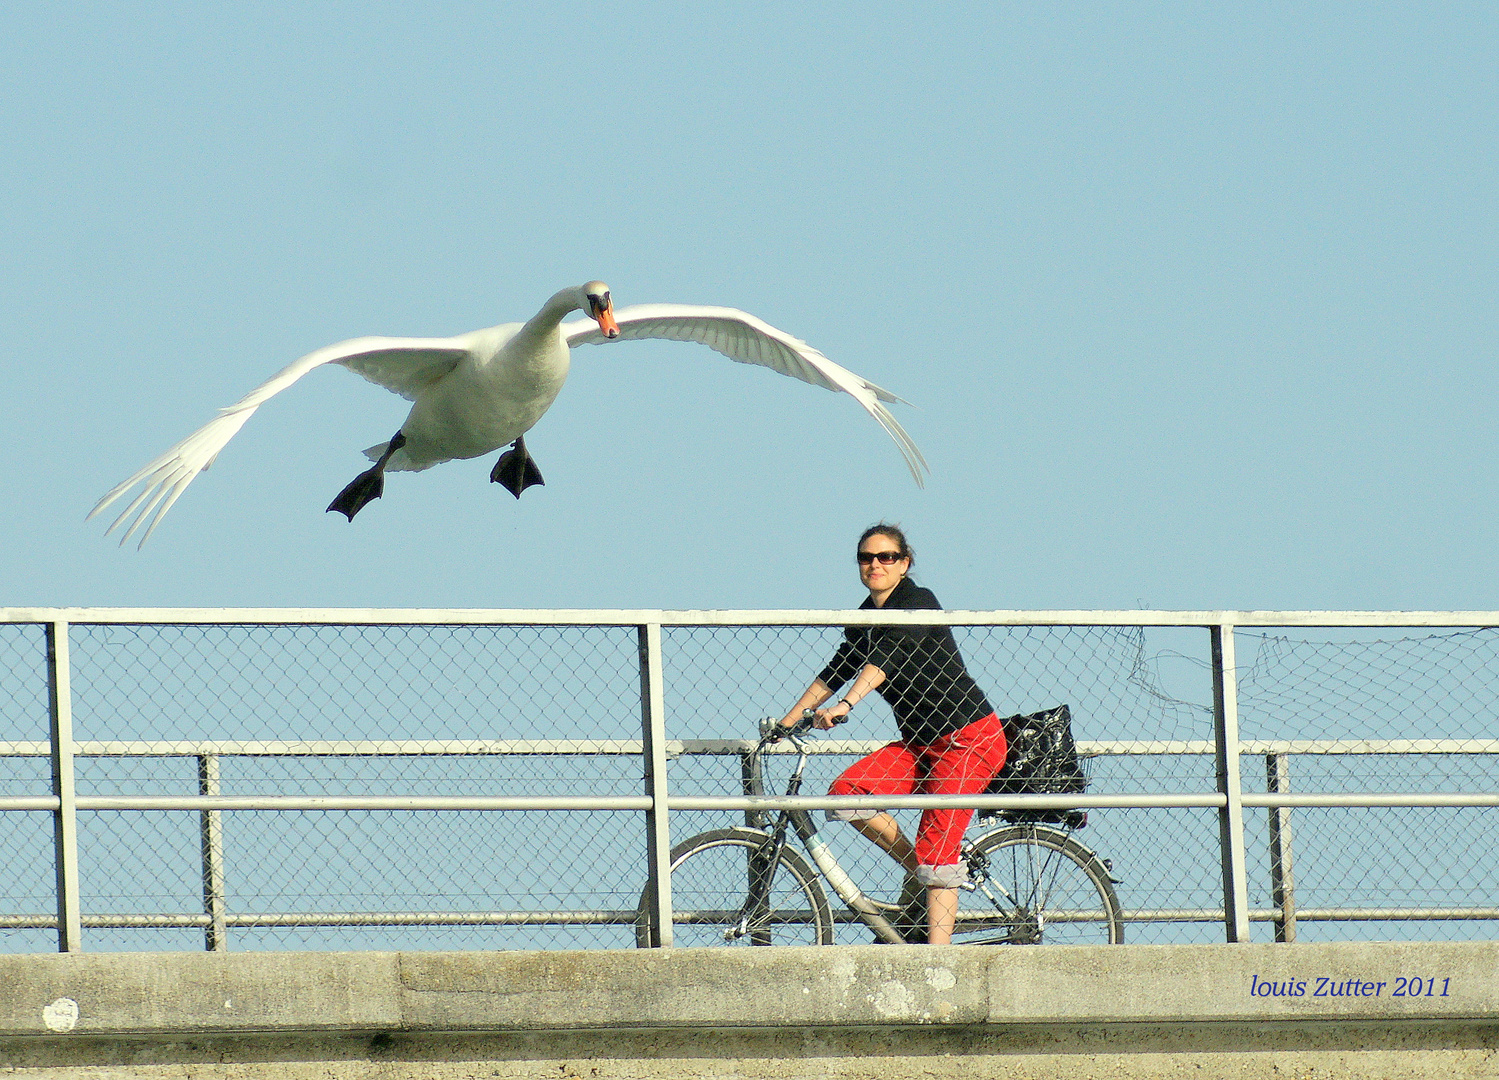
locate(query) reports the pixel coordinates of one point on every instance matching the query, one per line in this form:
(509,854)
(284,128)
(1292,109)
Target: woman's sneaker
(911,920)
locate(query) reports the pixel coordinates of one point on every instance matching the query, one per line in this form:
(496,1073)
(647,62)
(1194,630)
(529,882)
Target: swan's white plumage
(742,337)
(403,366)
(478,391)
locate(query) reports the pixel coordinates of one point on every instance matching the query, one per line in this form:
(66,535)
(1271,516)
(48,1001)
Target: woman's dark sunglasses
(885,557)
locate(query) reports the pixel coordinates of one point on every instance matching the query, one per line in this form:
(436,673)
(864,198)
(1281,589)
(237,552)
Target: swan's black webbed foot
(516,470)
(368,485)
(364,488)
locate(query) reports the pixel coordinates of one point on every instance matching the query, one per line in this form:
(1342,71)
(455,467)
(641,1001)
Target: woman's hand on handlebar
(805,721)
(807,712)
(836,713)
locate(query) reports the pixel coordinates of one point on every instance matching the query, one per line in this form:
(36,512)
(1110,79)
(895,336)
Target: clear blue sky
(1197,301)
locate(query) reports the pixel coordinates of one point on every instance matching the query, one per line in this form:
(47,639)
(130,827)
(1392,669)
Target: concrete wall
(860,1011)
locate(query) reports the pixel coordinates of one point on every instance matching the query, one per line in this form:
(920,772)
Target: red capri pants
(960,763)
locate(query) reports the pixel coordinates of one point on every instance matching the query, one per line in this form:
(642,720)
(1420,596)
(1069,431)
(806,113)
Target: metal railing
(657,801)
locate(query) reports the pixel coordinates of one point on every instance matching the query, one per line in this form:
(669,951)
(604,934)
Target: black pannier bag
(1041,760)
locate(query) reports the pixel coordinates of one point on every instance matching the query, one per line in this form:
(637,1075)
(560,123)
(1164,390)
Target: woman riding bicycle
(951,741)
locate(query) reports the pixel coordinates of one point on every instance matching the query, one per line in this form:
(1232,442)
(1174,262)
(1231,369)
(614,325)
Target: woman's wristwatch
(845,701)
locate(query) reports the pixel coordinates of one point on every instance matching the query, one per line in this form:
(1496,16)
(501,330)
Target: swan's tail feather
(401,460)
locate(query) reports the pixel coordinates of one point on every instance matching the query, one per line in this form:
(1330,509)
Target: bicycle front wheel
(715,901)
(1036,885)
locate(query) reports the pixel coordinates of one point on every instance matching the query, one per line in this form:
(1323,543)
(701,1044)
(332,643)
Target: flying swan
(476,392)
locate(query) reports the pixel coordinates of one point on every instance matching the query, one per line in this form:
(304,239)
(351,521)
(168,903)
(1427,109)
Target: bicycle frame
(822,857)
(1036,877)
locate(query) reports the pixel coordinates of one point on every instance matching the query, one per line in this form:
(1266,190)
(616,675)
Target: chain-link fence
(1401,714)
(471,780)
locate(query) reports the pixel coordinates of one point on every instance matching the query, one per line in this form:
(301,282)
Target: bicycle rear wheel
(710,895)
(1036,885)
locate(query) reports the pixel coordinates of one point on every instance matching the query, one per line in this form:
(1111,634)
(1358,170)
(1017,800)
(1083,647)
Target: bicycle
(1034,882)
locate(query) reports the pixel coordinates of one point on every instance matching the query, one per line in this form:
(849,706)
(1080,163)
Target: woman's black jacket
(926,684)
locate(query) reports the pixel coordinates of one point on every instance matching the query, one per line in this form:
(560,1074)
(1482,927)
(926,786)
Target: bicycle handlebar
(775,732)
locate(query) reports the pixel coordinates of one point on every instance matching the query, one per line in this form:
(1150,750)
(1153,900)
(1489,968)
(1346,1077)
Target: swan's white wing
(742,337)
(401,365)
(404,366)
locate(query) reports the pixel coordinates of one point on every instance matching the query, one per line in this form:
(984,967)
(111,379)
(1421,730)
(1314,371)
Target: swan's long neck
(559,307)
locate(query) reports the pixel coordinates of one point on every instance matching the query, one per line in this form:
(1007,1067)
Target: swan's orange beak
(603,314)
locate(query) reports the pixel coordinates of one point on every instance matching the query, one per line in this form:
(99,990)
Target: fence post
(653,731)
(211,828)
(65,817)
(1226,751)
(1282,883)
(749,776)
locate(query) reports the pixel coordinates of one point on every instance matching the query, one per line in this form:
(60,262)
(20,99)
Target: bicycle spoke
(727,889)
(1035,885)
